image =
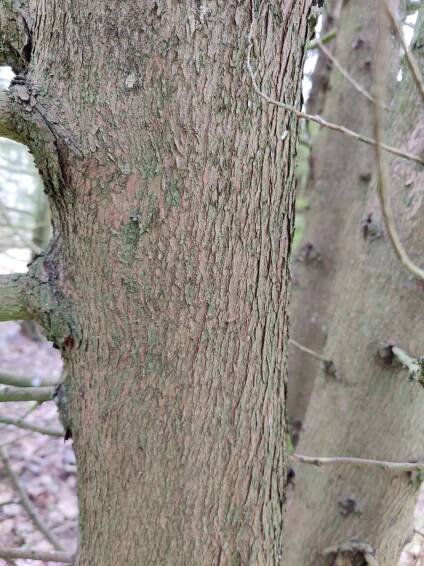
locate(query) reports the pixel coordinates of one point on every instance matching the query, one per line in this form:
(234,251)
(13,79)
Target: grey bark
(371,410)
(340,170)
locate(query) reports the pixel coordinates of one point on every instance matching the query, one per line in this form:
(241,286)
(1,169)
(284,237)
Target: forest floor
(46,465)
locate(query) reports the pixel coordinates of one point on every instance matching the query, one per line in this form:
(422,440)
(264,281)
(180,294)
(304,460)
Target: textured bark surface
(371,411)
(340,170)
(172,199)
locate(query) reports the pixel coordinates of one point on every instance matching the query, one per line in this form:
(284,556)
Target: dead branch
(13,208)
(14,439)
(19,423)
(25,380)
(12,297)
(396,467)
(308,351)
(330,35)
(39,394)
(415,366)
(17,553)
(33,407)
(382,176)
(26,503)
(327,364)
(324,123)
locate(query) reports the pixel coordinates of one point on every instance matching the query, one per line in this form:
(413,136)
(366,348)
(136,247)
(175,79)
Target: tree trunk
(320,83)
(172,206)
(370,410)
(337,166)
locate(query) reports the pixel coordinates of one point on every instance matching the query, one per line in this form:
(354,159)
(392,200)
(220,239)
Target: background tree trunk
(339,169)
(166,282)
(317,95)
(370,410)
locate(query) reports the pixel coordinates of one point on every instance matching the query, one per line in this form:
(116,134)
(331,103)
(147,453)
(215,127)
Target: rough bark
(166,283)
(340,169)
(371,410)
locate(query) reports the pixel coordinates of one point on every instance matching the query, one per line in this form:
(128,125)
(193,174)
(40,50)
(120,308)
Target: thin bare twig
(26,503)
(327,364)
(410,59)
(324,123)
(12,553)
(33,408)
(313,44)
(383,178)
(344,72)
(14,439)
(19,210)
(19,423)
(308,351)
(397,467)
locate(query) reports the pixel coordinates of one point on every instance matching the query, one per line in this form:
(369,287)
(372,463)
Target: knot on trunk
(350,553)
(47,302)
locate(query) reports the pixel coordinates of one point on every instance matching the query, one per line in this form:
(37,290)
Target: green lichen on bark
(172,195)
(130,234)
(47,303)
